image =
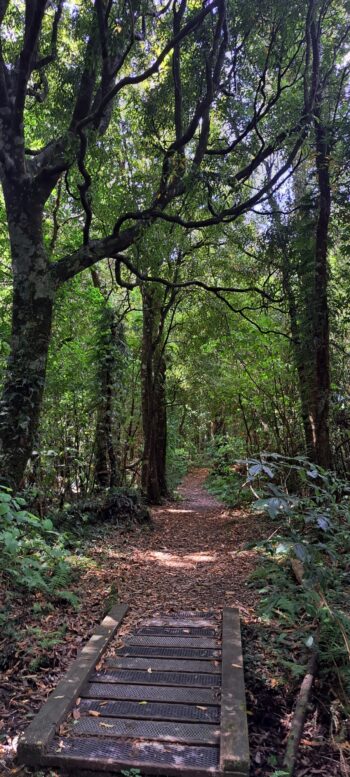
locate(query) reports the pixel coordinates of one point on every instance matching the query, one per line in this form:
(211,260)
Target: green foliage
(119,506)
(33,556)
(224,480)
(178,460)
(40,643)
(131,773)
(313,529)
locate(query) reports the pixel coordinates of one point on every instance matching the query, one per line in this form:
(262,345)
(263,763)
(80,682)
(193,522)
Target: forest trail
(193,557)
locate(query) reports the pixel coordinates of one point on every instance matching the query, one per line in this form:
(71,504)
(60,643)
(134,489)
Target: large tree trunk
(308,309)
(153,379)
(33,297)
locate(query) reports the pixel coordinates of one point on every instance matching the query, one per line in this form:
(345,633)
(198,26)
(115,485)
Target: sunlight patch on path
(166,559)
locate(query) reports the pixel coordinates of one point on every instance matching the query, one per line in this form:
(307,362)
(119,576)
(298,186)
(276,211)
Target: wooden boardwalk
(170,701)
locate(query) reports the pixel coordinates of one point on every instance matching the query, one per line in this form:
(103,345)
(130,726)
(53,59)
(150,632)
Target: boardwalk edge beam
(39,734)
(234,743)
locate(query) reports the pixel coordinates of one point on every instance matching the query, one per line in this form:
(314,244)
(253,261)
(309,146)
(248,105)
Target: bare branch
(44,61)
(122,259)
(33,21)
(191,25)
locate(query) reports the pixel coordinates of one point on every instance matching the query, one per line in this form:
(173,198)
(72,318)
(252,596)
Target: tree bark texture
(154,417)
(321,306)
(33,297)
(107,471)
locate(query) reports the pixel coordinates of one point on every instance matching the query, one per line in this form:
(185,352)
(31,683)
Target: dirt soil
(192,557)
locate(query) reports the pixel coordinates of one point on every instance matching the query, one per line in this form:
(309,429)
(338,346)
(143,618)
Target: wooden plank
(151,693)
(169,652)
(165,664)
(106,755)
(211,614)
(187,713)
(157,641)
(234,743)
(139,677)
(43,727)
(160,731)
(181,622)
(180,631)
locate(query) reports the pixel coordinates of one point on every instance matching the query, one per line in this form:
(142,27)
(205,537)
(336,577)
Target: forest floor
(192,557)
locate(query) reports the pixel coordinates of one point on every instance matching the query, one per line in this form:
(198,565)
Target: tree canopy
(174,250)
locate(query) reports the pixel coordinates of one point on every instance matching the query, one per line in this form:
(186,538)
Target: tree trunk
(107,472)
(321,308)
(33,297)
(153,380)
(304,360)
(161,421)
(308,307)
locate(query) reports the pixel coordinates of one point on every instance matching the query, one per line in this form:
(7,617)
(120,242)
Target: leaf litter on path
(193,558)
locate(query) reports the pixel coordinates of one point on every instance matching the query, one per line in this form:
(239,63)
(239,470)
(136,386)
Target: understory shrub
(304,580)
(118,506)
(224,480)
(33,556)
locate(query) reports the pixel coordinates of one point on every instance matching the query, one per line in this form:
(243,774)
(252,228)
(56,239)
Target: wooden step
(176,641)
(169,652)
(152,710)
(168,620)
(164,704)
(178,631)
(149,757)
(151,693)
(165,664)
(139,677)
(127,728)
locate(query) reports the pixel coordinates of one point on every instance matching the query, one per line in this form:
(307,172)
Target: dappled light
(170,560)
(175,369)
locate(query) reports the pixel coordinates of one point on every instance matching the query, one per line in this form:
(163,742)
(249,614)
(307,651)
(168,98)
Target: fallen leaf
(94,714)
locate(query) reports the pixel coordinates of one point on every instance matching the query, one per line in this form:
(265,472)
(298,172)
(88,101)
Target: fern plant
(32,554)
(312,512)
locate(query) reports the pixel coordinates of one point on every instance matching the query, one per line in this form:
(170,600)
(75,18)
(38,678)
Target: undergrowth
(304,577)
(33,556)
(224,480)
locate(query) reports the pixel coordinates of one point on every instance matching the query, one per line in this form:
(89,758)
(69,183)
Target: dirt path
(193,558)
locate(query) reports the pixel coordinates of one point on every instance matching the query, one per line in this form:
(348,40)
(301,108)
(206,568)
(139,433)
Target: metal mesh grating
(164,665)
(157,678)
(192,733)
(184,631)
(152,693)
(168,652)
(201,642)
(187,614)
(152,710)
(182,622)
(116,754)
